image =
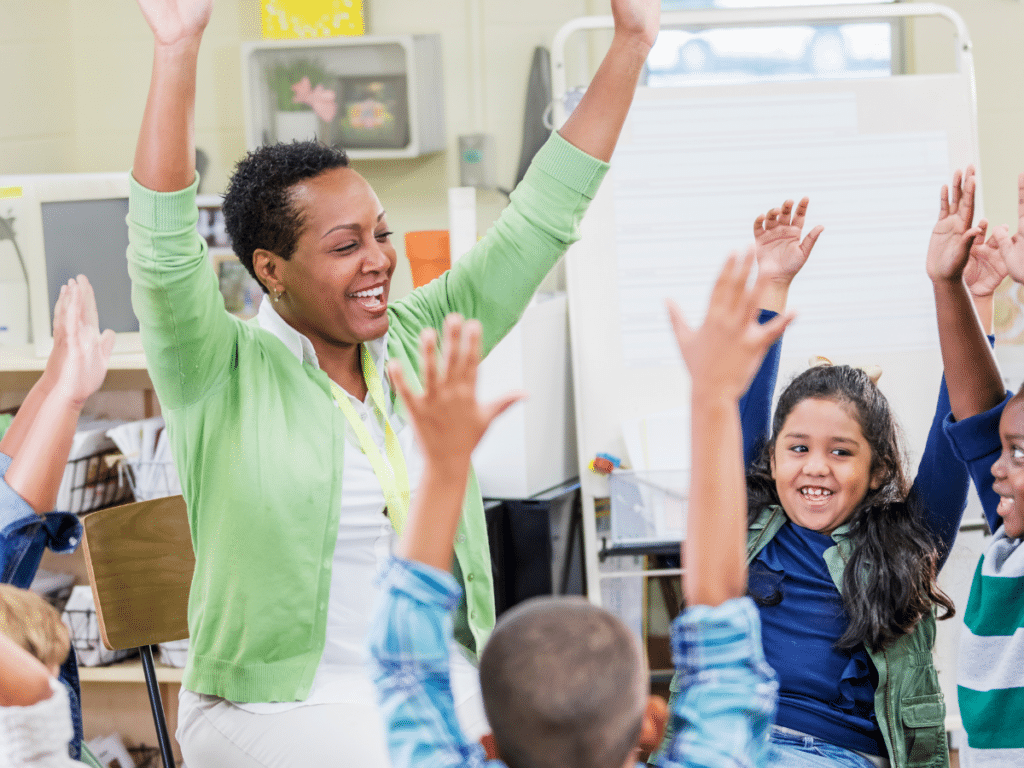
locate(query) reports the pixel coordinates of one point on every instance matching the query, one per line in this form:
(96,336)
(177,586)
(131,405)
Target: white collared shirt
(365,540)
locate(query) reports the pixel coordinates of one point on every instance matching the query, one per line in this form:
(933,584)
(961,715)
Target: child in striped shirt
(990,680)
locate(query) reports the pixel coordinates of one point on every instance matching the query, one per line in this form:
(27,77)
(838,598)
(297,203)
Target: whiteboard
(692,170)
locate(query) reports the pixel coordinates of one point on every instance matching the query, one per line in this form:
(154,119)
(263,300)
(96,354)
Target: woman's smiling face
(821,464)
(337,281)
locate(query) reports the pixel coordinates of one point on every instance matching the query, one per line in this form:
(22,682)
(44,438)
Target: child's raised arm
(780,252)
(36,470)
(972,374)
(1011,247)
(985,271)
(24,680)
(449,423)
(22,423)
(721,356)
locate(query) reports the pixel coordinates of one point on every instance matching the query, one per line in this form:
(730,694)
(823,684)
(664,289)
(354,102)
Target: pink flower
(322,100)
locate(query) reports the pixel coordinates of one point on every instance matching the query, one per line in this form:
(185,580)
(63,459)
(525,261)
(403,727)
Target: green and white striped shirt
(991,676)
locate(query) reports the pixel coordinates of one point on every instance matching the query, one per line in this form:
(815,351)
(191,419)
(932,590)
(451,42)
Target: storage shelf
(128,672)
(387,90)
(20,367)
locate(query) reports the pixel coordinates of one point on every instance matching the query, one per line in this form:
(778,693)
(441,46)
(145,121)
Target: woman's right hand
(173,21)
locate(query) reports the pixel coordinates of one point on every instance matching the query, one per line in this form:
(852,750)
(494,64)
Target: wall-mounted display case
(374,97)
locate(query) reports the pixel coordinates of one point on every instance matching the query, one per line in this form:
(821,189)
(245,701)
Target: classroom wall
(996,28)
(75,74)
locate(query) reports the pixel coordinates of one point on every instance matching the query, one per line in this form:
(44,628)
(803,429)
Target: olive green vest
(909,704)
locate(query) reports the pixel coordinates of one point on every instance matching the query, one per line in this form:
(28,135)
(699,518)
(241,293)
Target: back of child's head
(564,686)
(34,624)
(853,390)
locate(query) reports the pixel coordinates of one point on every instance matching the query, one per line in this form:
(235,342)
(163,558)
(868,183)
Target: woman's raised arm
(165,153)
(595,124)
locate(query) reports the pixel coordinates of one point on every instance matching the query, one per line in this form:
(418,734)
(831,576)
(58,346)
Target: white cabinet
(374,97)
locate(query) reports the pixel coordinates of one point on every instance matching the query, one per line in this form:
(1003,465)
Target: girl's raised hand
(448,419)
(722,355)
(87,350)
(1011,248)
(780,251)
(986,266)
(175,20)
(952,236)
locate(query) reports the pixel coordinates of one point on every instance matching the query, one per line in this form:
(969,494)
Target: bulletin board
(693,168)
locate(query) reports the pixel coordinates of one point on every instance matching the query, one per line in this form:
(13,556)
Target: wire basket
(93,482)
(145,757)
(85,639)
(151,479)
(647,507)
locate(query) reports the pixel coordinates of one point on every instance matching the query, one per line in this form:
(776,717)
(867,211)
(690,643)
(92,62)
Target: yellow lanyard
(391,473)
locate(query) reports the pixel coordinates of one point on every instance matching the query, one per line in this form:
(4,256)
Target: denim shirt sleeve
(727,691)
(408,640)
(24,534)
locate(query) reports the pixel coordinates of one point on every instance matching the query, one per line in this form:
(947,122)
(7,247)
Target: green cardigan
(259,443)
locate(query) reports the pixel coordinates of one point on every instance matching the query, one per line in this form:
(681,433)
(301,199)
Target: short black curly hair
(258,207)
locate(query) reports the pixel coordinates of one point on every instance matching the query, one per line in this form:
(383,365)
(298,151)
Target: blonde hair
(34,624)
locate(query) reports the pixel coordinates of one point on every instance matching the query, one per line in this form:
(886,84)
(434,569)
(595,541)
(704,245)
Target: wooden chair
(140,563)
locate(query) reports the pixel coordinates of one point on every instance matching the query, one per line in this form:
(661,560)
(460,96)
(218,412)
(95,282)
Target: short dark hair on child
(258,208)
(889,582)
(564,686)
(34,624)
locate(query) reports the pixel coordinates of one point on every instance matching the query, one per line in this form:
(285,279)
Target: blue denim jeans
(789,750)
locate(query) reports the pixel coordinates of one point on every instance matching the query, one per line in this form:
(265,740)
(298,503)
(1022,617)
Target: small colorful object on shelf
(292,19)
(604,463)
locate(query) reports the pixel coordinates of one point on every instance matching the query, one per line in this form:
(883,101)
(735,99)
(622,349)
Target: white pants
(214,733)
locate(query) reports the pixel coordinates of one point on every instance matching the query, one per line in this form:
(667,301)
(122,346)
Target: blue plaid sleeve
(728,692)
(408,643)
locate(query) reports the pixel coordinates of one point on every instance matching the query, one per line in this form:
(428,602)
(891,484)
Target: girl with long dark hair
(843,552)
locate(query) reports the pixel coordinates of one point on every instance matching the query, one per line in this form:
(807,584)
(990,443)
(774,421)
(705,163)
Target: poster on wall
(296,19)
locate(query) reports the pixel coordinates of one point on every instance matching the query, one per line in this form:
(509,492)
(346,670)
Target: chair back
(140,563)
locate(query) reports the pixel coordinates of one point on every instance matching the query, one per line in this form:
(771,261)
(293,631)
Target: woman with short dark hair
(284,430)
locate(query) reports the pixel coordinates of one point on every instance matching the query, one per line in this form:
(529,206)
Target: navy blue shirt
(825,691)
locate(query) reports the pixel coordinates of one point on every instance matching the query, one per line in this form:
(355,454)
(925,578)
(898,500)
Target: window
(697,56)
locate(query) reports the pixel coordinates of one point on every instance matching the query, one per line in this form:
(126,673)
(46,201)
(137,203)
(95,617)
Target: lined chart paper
(692,175)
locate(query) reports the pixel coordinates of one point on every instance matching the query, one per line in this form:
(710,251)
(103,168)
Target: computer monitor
(59,226)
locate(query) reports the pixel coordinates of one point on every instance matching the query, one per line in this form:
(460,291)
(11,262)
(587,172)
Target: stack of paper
(78,491)
(147,454)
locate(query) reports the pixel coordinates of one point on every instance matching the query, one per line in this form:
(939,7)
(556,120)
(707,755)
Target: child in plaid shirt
(564,682)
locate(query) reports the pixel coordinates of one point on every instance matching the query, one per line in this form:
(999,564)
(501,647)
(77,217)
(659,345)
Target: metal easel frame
(745,17)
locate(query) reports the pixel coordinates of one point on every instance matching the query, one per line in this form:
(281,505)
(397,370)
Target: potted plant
(302,95)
